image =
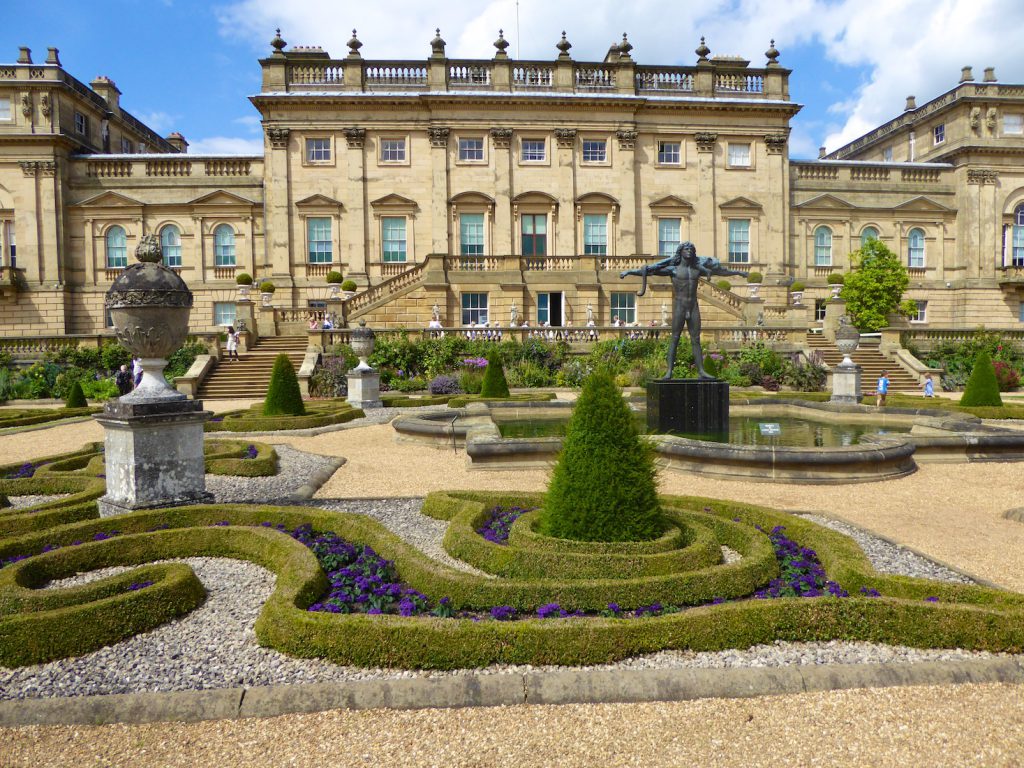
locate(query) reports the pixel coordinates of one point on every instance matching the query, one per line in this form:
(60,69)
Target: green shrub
(334,276)
(754,277)
(982,388)
(602,488)
(267,287)
(494,383)
(113,356)
(76,398)
(182,358)
(471,382)
(796,286)
(725,285)
(243,278)
(4,501)
(283,396)
(835,278)
(348,285)
(99,389)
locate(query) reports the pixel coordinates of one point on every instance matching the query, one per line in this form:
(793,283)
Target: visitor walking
(929,386)
(232,343)
(882,389)
(136,371)
(123,381)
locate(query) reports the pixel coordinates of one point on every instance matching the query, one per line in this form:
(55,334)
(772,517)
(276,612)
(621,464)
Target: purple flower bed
(26,470)
(499,522)
(251,452)
(133,587)
(475,362)
(444,385)
(802,573)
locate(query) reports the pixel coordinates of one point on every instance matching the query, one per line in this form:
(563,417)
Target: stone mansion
(500,190)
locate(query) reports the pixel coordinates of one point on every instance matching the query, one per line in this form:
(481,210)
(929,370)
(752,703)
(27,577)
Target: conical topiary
(603,486)
(76,397)
(283,397)
(495,384)
(982,387)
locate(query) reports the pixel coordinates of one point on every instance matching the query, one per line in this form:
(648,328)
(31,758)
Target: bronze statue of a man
(686,269)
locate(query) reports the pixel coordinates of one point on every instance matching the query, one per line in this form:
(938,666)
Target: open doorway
(550,309)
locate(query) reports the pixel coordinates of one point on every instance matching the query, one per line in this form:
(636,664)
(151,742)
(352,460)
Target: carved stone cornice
(502,137)
(46,167)
(627,139)
(438,136)
(775,143)
(706,141)
(566,137)
(355,137)
(982,176)
(278,137)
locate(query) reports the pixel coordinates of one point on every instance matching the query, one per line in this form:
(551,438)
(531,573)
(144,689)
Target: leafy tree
(982,387)
(494,383)
(875,287)
(284,398)
(603,486)
(76,398)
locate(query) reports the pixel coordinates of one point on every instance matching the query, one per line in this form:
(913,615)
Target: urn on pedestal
(846,377)
(363,381)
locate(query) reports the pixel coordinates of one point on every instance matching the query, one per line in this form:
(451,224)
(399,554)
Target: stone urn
(362,341)
(754,289)
(149,305)
(798,297)
(243,292)
(847,340)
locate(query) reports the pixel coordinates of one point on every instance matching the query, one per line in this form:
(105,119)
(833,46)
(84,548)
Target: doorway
(549,309)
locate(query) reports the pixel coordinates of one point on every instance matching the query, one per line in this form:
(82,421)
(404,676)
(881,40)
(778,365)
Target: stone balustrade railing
(860,171)
(165,166)
(928,338)
(25,348)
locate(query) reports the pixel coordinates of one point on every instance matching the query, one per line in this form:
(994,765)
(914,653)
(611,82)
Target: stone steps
(871,361)
(249,376)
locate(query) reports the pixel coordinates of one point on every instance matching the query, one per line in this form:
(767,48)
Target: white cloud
(228,145)
(252,123)
(161,122)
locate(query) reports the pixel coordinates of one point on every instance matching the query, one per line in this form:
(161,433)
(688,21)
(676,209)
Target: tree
(284,398)
(875,287)
(494,384)
(76,398)
(982,388)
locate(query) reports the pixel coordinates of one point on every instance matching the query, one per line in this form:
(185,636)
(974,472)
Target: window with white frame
(624,307)
(393,239)
(595,150)
(471,234)
(81,124)
(915,249)
(392,150)
(739,241)
(887,155)
(533,229)
(8,252)
(170,243)
(471,149)
(739,155)
(823,247)
(669,236)
(533,151)
(318,238)
(318,150)
(939,133)
(1017,240)
(921,316)
(595,234)
(868,234)
(669,153)
(126,146)
(474,308)
(5,108)
(819,309)
(117,248)
(224,313)
(224,246)
(1013,125)
(142,148)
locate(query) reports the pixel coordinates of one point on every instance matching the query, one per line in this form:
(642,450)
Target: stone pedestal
(154,454)
(364,388)
(846,384)
(688,406)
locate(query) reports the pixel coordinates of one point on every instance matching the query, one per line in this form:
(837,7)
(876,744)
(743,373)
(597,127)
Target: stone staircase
(870,360)
(249,376)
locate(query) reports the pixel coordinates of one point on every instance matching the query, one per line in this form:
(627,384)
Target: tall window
(1017,255)
(922,312)
(392,150)
(81,124)
(117,248)
(534,230)
(739,241)
(939,133)
(595,150)
(624,306)
(819,309)
(1013,125)
(668,153)
(869,233)
(668,236)
(224,313)
(393,241)
(474,308)
(739,156)
(126,146)
(8,252)
(471,234)
(887,155)
(471,149)
(318,150)
(5,108)
(823,247)
(915,249)
(595,234)
(224,246)
(532,151)
(170,242)
(318,235)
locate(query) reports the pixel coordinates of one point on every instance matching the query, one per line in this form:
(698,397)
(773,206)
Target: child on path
(929,386)
(883,388)
(232,343)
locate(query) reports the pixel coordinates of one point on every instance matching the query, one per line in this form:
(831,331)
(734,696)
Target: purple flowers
(444,385)
(498,523)
(26,470)
(251,452)
(475,362)
(931,599)
(503,613)
(802,573)
(870,592)
(551,611)
(133,587)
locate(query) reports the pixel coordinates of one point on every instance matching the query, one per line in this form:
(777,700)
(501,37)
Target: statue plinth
(688,406)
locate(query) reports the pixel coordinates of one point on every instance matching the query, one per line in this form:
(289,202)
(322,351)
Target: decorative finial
(149,250)
(353,46)
(563,47)
(437,44)
(501,44)
(772,53)
(702,50)
(277,43)
(625,47)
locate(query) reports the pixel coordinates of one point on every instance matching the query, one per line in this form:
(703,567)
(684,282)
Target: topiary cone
(982,387)
(603,486)
(76,398)
(495,384)
(283,397)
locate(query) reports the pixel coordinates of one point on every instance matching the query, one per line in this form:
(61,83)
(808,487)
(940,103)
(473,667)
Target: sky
(189,65)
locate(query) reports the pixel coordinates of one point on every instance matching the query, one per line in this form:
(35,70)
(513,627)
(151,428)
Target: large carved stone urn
(363,381)
(847,340)
(846,377)
(362,340)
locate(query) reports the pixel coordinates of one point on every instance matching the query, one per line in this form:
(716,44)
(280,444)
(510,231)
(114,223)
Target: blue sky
(188,66)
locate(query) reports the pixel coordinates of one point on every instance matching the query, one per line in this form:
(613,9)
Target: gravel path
(295,468)
(18,502)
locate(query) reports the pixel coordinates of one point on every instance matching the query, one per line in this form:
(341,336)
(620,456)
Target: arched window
(170,242)
(224,246)
(117,248)
(823,247)
(915,249)
(1018,236)
(869,233)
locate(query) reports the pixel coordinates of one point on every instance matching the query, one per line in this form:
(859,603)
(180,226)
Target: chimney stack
(177,141)
(108,91)
(911,104)
(990,74)
(821,153)
(966,74)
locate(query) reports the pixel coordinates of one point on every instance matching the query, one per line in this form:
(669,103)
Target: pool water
(743,430)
